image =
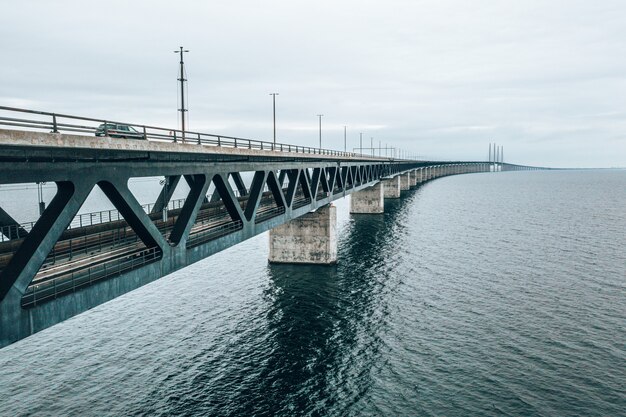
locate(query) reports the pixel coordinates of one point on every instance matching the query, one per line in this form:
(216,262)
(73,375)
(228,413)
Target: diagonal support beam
(229,199)
(281,177)
(256,191)
(133,213)
(315,180)
(189,212)
(305,183)
(11,228)
(332,177)
(277,192)
(292,174)
(189,178)
(241,186)
(166,193)
(31,254)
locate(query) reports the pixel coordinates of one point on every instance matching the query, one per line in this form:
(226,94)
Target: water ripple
(478,294)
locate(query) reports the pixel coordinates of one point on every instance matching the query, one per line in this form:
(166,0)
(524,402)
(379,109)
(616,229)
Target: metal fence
(14,231)
(70,282)
(206,235)
(63,123)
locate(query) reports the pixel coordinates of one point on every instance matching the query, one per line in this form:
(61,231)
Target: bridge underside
(55,269)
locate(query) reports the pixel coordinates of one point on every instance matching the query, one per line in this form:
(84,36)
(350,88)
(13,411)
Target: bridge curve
(52,269)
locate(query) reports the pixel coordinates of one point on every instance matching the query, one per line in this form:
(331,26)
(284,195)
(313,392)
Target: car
(115,130)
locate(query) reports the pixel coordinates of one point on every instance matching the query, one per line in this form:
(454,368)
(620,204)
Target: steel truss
(282,188)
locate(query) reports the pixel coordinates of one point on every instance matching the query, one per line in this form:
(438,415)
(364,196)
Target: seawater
(481,294)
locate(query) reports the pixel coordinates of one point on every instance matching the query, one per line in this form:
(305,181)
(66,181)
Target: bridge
(66,262)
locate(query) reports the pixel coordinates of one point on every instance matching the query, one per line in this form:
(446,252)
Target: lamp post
(274,113)
(320,117)
(182,80)
(361,143)
(345,132)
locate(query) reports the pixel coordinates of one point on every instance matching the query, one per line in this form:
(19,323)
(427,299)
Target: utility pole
(42,204)
(274,113)
(182,80)
(320,117)
(361,143)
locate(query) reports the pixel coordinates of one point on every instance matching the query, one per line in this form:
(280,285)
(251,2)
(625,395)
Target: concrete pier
(414,175)
(368,201)
(391,187)
(420,175)
(310,239)
(405,181)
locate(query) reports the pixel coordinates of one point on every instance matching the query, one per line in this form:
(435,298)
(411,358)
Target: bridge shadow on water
(324,325)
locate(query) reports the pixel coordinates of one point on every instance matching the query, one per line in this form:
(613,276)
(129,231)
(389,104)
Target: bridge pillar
(309,239)
(405,181)
(391,187)
(414,174)
(369,200)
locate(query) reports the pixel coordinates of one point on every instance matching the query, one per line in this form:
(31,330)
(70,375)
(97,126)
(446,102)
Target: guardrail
(203,236)
(64,123)
(50,289)
(16,231)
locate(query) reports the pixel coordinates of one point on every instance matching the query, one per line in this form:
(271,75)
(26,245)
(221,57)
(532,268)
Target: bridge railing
(16,231)
(39,292)
(13,231)
(63,123)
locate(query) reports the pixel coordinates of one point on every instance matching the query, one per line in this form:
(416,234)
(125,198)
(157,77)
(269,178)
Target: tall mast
(182,80)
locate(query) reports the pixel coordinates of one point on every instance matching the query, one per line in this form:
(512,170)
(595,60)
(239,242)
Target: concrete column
(391,187)
(405,181)
(414,174)
(369,200)
(310,239)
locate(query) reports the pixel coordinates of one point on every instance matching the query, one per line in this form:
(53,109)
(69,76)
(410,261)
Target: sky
(438,78)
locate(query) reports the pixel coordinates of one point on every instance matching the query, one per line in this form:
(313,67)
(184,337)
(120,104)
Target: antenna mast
(182,80)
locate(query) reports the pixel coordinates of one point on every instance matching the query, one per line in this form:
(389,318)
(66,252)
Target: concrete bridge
(65,263)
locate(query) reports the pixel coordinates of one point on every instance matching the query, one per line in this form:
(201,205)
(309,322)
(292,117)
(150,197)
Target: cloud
(457,75)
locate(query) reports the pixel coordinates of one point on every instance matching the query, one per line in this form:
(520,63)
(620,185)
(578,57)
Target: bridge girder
(320,181)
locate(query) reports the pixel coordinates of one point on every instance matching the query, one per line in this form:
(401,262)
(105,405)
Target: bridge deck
(61,141)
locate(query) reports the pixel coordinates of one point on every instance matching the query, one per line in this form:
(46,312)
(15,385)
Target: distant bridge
(65,263)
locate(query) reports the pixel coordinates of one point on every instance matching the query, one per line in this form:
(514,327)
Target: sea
(496,294)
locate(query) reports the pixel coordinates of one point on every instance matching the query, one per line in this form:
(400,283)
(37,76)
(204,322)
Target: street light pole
(182,80)
(320,117)
(274,113)
(361,143)
(345,131)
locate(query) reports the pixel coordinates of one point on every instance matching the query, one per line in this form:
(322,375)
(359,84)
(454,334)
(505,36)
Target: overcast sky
(546,79)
